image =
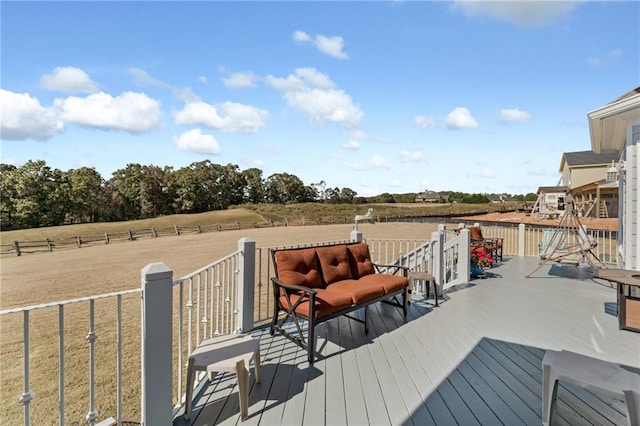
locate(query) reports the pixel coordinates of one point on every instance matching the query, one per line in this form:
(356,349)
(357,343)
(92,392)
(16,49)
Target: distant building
(593,181)
(428,197)
(500,198)
(551,202)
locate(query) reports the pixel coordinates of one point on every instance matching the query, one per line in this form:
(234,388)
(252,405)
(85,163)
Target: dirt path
(78,272)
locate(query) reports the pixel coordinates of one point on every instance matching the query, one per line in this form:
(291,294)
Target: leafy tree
(281,188)
(87,194)
(8,195)
(125,186)
(475,199)
(254,186)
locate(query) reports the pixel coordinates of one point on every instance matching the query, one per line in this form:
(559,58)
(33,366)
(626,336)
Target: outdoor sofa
(316,284)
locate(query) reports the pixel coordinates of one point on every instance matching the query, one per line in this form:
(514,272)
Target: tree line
(35,195)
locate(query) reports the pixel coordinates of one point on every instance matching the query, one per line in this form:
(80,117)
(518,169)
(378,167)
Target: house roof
(588,158)
(608,124)
(547,189)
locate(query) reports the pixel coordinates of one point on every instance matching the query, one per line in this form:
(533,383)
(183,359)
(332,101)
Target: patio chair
(493,246)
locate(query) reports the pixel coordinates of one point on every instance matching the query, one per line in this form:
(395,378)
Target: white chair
(592,374)
(226,353)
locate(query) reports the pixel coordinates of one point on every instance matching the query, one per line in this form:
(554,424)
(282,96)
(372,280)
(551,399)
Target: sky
(375,96)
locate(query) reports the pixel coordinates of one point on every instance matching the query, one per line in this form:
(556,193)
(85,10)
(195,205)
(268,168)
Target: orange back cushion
(360,260)
(299,267)
(334,262)
(476,233)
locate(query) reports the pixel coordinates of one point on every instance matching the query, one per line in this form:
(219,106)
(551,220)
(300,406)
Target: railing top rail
(308,245)
(70,301)
(180,280)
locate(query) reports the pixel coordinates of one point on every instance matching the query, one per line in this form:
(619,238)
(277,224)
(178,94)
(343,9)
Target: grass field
(98,269)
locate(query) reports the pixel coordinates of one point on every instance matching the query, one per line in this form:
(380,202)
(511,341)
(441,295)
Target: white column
(246,283)
(464,255)
(156,403)
(521,240)
(355,235)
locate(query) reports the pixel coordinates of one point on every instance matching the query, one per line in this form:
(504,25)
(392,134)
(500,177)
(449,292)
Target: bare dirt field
(66,274)
(516,217)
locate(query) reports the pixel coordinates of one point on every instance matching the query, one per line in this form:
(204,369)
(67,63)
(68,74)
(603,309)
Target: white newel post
(355,236)
(521,241)
(246,283)
(437,248)
(157,308)
(464,255)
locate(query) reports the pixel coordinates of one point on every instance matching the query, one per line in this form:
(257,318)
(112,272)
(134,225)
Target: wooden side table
(628,283)
(226,353)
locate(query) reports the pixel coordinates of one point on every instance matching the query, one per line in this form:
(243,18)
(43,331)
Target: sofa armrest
(291,287)
(398,268)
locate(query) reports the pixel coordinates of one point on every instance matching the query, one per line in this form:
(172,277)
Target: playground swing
(569,244)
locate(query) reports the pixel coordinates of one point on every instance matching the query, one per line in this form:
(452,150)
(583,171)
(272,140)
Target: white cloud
(425,122)
(313,94)
(329,45)
(354,145)
(396,183)
(411,156)
(24,118)
(356,166)
(203,79)
(524,13)
(241,80)
(131,112)
(69,80)
(144,79)
(380,162)
(229,117)
(485,173)
(461,118)
(301,36)
(514,115)
(195,141)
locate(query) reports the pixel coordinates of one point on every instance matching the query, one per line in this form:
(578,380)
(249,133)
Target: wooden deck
(476,359)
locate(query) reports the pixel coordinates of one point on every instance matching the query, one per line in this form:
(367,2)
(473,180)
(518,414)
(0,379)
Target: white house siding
(631,201)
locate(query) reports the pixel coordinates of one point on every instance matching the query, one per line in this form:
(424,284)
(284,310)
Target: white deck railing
(31,389)
(233,294)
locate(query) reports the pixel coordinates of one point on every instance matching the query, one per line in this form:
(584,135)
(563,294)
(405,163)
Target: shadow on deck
(476,359)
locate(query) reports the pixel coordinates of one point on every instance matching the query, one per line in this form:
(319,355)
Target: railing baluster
(92,415)
(217,299)
(61,364)
(27,395)
(205,320)
(180,336)
(119,363)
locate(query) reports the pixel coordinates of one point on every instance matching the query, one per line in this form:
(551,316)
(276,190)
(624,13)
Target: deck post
(437,250)
(157,380)
(521,242)
(246,283)
(464,255)
(355,235)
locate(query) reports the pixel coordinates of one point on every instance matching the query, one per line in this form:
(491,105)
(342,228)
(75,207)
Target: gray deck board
(475,359)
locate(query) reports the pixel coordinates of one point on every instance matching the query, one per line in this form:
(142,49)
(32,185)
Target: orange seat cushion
(390,283)
(359,291)
(326,303)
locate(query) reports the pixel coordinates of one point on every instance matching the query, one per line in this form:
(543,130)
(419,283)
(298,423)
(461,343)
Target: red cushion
(334,262)
(360,260)
(299,267)
(358,290)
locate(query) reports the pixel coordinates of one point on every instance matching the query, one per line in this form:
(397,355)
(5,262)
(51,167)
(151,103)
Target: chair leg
(243,388)
(311,342)
(549,392)
(189,395)
(633,407)
(256,365)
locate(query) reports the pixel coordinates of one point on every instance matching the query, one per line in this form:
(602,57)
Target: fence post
(246,283)
(464,255)
(156,330)
(106,238)
(521,241)
(153,232)
(16,245)
(175,228)
(130,234)
(49,244)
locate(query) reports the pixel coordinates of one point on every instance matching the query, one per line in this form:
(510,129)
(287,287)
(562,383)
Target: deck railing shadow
(500,382)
